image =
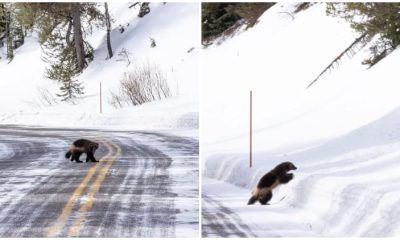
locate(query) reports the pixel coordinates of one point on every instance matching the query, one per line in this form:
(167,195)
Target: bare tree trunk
(350,51)
(144,9)
(108,25)
(8,33)
(78,38)
(68,35)
(2,23)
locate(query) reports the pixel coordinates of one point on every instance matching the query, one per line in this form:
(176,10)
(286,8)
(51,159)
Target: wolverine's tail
(252,200)
(68,154)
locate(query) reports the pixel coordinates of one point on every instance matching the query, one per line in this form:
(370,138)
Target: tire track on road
(133,197)
(221,221)
(21,177)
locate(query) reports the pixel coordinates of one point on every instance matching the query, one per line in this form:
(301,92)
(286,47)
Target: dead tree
(108,26)
(350,51)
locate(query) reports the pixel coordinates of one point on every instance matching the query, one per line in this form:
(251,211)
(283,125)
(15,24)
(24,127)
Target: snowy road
(219,221)
(145,185)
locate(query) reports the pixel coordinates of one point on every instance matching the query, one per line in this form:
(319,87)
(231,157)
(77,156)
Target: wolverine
(278,175)
(82,146)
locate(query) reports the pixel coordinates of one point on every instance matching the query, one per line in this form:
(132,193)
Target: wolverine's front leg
(90,157)
(285,178)
(265,199)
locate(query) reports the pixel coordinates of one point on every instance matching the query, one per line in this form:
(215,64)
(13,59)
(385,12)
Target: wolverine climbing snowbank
(342,133)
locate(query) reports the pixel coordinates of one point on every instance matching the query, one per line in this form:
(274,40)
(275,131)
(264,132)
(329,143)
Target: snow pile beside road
(348,186)
(342,133)
(23,83)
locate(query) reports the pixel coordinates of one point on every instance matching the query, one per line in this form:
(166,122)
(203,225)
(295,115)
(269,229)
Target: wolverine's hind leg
(265,199)
(76,156)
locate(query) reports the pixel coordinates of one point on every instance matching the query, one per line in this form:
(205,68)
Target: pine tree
(25,15)
(374,19)
(69,16)
(61,35)
(2,24)
(62,29)
(70,90)
(63,66)
(218,17)
(11,30)
(6,25)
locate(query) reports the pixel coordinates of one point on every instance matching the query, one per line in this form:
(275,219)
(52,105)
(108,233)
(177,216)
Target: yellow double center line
(86,205)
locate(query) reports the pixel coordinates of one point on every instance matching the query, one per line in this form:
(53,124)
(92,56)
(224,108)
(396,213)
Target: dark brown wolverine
(82,146)
(278,175)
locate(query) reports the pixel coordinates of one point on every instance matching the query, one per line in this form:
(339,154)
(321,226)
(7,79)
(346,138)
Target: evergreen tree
(2,24)
(374,19)
(63,68)
(70,90)
(9,36)
(11,30)
(6,31)
(62,29)
(25,15)
(61,34)
(218,17)
(69,16)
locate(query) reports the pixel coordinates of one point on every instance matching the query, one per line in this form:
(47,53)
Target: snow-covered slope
(342,133)
(20,101)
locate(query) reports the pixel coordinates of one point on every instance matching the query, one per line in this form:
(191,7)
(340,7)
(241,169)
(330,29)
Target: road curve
(145,185)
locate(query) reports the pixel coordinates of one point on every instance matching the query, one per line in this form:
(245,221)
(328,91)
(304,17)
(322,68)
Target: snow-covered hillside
(22,80)
(343,133)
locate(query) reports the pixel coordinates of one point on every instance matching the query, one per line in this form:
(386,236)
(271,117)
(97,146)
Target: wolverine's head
(286,166)
(93,146)
(290,166)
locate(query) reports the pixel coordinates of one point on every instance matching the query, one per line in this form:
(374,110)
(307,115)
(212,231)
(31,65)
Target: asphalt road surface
(219,221)
(145,185)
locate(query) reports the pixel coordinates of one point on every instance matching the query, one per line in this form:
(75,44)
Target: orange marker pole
(251,127)
(101,103)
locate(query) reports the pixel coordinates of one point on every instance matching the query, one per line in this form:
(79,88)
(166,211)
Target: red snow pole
(251,126)
(101,103)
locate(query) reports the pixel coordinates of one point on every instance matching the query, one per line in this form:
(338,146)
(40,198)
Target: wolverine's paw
(286,178)
(79,161)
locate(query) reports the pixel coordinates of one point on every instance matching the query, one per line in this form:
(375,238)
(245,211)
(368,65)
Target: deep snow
(20,101)
(342,133)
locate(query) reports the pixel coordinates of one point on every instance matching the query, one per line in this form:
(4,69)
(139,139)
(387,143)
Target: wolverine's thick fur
(82,146)
(278,175)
